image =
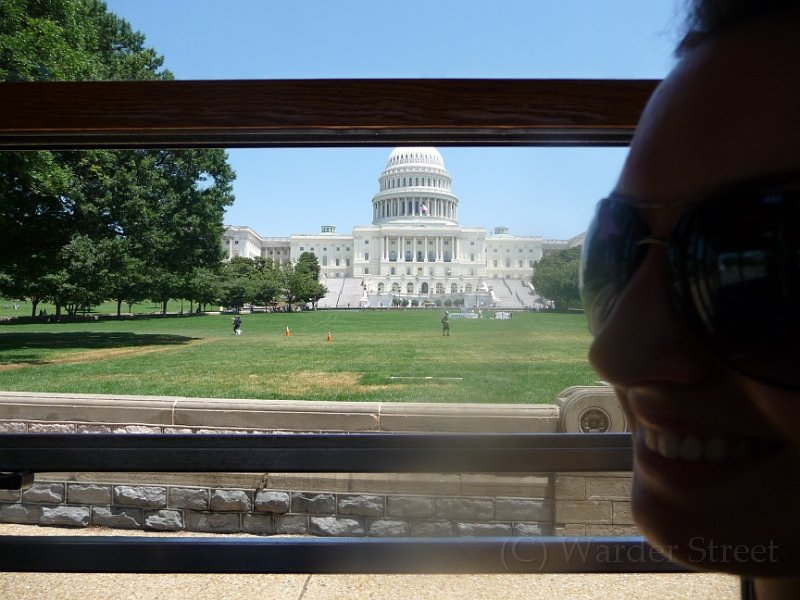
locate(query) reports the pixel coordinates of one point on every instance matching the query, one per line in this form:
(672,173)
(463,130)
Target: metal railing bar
(357,453)
(332,555)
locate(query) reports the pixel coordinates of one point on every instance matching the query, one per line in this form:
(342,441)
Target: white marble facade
(415,246)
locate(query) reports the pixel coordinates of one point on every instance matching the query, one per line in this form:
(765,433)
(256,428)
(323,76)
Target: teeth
(651,440)
(717,450)
(669,445)
(692,449)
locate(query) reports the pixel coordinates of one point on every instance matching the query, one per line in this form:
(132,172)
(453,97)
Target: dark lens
(610,258)
(736,279)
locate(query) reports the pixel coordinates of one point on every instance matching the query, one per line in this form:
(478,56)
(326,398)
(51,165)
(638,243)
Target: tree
(166,205)
(308,263)
(555,277)
(202,286)
(297,282)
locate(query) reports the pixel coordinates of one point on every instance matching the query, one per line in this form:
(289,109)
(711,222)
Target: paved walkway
(349,587)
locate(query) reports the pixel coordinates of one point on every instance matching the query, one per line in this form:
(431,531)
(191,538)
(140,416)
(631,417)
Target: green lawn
(526,360)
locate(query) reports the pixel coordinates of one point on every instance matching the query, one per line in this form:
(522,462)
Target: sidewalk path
(67,586)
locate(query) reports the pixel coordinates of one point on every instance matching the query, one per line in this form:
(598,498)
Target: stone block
(221,431)
(275,415)
(70,516)
(309,482)
(231,500)
(425,529)
(463,508)
(51,428)
(621,513)
(361,506)
(13,427)
(388,528)
(409,506)
(570,530)
(163,520)
(483,529)
(291,524)
(524,486)
(612,530)
(211,522)
(117,517)
(523,509)
(608,488)
(258,524)
(9,495)
(179,430)
(569,487)
(144,496)
(587,511)
(480,418)
(320,504)
(88,493)
(188,498)
(532,529)
(336,526)
(85,428)
(272,502)
(52,493)
(20,513)
(136,429)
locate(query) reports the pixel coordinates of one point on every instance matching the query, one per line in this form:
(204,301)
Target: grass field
(526,360)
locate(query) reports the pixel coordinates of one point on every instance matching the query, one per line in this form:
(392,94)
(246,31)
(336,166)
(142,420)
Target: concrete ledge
(172,413)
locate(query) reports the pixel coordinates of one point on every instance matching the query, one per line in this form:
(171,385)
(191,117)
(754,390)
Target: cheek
(781,408)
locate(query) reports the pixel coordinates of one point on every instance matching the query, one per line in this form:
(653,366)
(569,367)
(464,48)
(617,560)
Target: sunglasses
(734,273)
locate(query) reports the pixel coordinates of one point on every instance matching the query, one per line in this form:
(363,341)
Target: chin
(746,539)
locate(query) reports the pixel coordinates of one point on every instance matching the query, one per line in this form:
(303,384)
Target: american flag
(423,208)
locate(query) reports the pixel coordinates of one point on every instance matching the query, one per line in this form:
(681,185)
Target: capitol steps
(506,295)
(521,291)
(334,286)
(351,293)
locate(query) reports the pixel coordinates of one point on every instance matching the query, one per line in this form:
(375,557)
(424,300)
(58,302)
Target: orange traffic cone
(329,335)
(287,332)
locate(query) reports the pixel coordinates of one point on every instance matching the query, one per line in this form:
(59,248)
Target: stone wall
(274,511)
(342,504)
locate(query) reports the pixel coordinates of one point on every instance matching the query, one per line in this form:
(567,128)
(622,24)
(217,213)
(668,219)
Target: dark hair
(707,19)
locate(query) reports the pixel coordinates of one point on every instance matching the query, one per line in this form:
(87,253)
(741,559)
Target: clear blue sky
(534,191)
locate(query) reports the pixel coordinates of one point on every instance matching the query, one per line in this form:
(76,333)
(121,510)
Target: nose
(644,340)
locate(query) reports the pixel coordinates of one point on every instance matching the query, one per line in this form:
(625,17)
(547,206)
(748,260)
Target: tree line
(83,226)
(262,281)
(556,276)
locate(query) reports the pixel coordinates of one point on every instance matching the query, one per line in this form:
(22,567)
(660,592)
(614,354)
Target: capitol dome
(415,186)
(412,156)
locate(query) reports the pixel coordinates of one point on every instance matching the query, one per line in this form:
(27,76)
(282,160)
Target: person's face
(730,111)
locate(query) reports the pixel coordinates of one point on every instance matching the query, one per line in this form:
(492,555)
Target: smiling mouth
(717,449)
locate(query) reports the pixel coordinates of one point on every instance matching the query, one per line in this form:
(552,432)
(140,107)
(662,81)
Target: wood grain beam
(335,112)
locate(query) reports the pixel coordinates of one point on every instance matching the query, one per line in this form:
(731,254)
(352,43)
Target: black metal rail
(334,555)
(317,453)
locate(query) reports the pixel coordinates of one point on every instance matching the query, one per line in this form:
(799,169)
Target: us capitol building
(415,247)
